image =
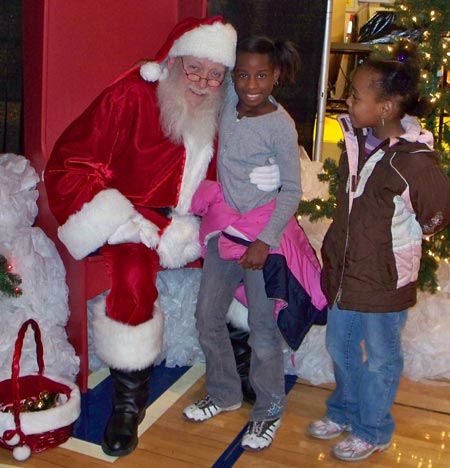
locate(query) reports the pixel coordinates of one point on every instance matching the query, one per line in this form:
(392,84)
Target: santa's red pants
(133,269)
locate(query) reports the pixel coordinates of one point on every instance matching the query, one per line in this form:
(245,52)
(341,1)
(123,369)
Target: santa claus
(121,178)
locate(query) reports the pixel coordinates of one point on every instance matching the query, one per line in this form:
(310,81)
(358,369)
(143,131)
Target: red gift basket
(23,429)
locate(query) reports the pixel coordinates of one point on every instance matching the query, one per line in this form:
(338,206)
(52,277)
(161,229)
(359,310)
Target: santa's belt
(165,211)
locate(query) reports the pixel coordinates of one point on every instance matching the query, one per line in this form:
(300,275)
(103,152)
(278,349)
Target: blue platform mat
(96,407)
(96,403)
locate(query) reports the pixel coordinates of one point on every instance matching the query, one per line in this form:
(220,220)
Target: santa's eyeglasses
(212,82)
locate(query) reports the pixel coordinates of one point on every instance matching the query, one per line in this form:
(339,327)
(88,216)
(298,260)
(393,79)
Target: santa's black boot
(242,353)
(130,395)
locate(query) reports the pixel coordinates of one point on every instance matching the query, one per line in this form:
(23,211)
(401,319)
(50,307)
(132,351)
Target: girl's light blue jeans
(366,349)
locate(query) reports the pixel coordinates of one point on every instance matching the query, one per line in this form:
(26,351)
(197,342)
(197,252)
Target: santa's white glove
(266,178)
(148,232)
(127,232)
(179,242)
(136,230)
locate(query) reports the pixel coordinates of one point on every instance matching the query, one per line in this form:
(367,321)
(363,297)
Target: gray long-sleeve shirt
(259,141)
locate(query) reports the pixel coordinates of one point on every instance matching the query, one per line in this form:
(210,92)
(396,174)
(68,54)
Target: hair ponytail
(400,77)
(288,60)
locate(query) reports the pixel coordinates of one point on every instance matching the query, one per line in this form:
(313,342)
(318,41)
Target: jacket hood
(413,132)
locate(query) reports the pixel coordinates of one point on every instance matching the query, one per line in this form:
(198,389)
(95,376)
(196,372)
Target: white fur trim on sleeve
(127,347)
(179,242)
(88,229)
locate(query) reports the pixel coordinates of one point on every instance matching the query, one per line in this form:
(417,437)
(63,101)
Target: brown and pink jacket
(386,204)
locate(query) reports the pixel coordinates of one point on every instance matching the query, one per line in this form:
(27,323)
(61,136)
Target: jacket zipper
(353,185)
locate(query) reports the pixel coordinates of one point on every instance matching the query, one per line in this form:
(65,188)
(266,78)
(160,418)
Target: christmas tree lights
(9,282)
(432,18)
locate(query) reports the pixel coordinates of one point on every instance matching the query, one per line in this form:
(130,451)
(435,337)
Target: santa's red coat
(112,162)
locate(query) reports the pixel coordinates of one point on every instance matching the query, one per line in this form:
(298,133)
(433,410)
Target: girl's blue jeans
(366,350)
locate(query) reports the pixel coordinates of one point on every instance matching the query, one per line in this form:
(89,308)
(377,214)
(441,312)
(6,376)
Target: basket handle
(16,363)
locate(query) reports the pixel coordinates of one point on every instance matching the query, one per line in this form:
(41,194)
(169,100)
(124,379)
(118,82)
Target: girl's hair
(282,54)
(400,78)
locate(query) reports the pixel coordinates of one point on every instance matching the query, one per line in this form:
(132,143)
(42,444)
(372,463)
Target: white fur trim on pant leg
(179,242)
(126,347)
(237,315)
(88,229)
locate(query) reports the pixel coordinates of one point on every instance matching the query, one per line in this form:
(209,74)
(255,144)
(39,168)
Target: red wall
(73,49)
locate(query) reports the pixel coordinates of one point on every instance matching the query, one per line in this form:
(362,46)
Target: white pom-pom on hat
(152,71)
(206,38)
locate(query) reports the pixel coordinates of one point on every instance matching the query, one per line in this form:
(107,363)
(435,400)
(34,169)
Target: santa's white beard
(178,120)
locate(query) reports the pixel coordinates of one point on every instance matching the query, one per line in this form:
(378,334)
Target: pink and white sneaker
(353,448)
(327,429)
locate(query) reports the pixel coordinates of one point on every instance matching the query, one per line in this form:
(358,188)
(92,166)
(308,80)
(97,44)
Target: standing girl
(392,193)
(255,131)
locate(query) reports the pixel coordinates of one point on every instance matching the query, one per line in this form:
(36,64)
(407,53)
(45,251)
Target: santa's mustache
(200,91)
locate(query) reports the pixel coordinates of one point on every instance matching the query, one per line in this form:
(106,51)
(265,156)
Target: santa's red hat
(209,38)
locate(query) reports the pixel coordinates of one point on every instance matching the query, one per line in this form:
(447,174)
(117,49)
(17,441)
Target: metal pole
(323,85)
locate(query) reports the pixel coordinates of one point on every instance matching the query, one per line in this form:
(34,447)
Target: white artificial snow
(35,259)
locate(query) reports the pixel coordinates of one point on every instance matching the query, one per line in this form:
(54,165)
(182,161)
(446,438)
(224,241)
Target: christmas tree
(432,19)
(9,282)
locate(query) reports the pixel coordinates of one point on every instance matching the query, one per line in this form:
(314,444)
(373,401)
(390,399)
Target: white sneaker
(259,434)
(205,409)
